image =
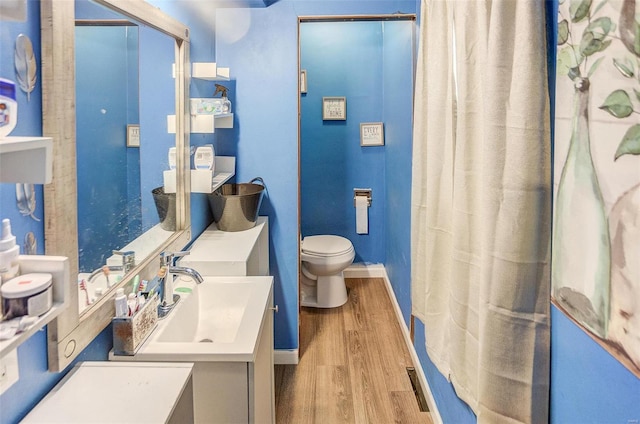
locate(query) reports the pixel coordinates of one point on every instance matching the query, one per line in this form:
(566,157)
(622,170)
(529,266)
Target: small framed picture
(371,134)
(303,81)
(133,135)
(334,108)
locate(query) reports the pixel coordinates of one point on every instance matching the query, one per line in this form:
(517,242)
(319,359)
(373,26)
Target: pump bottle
(226,103)
(9,251)
(122,309)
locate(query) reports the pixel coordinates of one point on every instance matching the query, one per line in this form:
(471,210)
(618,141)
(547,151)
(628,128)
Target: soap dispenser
(226,104)
(9,252)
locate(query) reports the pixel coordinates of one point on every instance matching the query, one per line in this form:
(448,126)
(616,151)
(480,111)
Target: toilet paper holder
(362,192)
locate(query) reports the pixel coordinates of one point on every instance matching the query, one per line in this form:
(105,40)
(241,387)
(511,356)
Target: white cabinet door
(261,378)
(220,392)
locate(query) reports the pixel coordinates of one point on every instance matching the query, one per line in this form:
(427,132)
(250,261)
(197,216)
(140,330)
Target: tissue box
(129,333)
(206,106)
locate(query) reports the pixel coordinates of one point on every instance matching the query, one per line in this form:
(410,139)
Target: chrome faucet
(128,259)
(168,270)
(128,262)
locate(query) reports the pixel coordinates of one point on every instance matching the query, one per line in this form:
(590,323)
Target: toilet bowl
(323,260)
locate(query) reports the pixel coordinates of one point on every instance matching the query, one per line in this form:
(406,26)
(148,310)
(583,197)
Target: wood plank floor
(352,367)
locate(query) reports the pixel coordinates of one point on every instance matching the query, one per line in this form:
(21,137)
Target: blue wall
(588,385)
(152,55)
(157,100)
(342,59)
(104,107)
(34,381)
(370,63)
(260,45)
(29,123)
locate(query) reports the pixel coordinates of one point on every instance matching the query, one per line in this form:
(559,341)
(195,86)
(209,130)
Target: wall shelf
(203,124)
(224,121)
(209,71)
(58,267)
(202,180)
(205,181)
(15,152)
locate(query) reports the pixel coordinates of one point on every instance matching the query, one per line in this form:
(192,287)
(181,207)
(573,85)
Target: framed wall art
(597,178)
(334,108)
(133,135)
(371,134)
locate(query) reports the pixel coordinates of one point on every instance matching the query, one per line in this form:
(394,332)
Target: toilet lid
(326,245)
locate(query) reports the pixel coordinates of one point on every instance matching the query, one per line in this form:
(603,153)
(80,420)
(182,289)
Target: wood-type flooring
(353,365)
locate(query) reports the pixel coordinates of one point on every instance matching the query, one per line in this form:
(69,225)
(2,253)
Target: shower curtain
(481,203)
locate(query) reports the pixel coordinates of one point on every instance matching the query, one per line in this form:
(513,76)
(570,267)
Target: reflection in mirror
(159,95)
(118,216)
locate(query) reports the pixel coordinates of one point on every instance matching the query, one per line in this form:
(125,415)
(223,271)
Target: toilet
(323,260)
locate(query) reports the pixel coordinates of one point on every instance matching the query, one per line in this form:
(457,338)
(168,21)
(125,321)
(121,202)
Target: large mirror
(122,145)
(108,87)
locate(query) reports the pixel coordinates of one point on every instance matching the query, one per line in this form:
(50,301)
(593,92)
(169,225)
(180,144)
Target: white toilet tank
(224,253)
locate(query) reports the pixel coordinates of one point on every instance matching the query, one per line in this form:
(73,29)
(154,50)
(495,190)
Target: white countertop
(217,252)
(114,392)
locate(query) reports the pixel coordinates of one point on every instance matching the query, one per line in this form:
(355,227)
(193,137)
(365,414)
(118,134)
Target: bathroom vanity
(119,392)
(224,326)
(217,252)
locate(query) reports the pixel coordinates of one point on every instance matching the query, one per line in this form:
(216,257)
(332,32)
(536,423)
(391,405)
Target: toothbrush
(136,285)
(161,274)
(142,286)
(106,271)
(83,286)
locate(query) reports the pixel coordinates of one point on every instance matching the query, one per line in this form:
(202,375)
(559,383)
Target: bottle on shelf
(226,103)
(9,251)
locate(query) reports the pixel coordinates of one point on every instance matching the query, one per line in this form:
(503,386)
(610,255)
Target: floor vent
(417,389)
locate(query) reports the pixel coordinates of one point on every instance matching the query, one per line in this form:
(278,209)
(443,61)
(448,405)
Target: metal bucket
(166,207)
(235,206)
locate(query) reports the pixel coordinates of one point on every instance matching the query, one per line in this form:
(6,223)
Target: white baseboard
(285,356)
(435,414)
(363,270)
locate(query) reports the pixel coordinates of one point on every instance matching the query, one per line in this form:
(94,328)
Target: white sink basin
(217,320)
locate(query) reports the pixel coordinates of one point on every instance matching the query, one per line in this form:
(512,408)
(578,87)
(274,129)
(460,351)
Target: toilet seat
(326,246)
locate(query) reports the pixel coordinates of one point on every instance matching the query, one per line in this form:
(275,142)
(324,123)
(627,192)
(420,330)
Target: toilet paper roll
(362,215)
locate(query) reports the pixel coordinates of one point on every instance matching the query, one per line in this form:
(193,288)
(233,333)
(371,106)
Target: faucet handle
(166,258)
(182,253)
(128,258)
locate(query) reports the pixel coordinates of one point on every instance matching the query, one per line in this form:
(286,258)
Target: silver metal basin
(235,206)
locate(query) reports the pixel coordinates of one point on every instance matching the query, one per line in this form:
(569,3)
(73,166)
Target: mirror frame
(71,332)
